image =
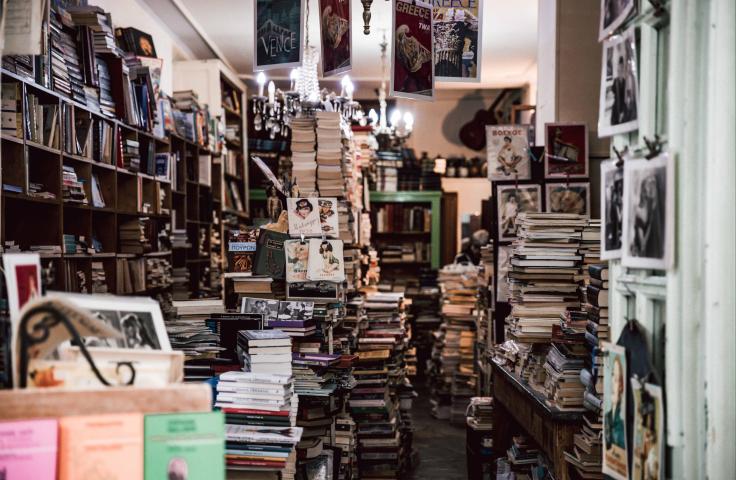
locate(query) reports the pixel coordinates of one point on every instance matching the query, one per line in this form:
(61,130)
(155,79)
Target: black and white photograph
(612,209)
(312,290)
(613,14)
(619,99)
(295,310)
(507,151)
(513,200)
(139,330)
(267,307)
(571,197)
(504,265)
(648,213)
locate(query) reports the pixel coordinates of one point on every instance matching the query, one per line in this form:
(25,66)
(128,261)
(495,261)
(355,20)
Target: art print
(303,216)
(615,457)
(613,14)
(647,462)
(297,258)
(295,310)
(507,148)
(457,40)
(412,70)
(22,278)
(648,222)
(328,216)
(511,201)
(566,150)
(619,95)
(336,36)
(569,198)
(326,261)
(612,209)
(267,307)
(277,33)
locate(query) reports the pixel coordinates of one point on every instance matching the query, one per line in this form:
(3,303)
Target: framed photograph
(571,197)
(612,209)
(507,151)
(295,310)
(613,14)
(297,258)
(267,307)
(326,261)
(648,438)
(504,265)
(412,67)
(316,291)
(615,453)
(566,150)
(511,201)
(648,223)
(458,40)
(277,34)
(336,36)
(619,96)
(139,319)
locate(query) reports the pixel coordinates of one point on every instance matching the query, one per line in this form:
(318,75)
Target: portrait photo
(613,14)
(504,265)
(303,214)
(615,458)
(566,150)
(619,97)
(648,437)
(571,197)
(507,151)
(648,222)
(612,209)
(267,307)
(511,202)
(328,216)
(295,310)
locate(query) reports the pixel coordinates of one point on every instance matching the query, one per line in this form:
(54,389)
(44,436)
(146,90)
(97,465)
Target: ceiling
(509,37)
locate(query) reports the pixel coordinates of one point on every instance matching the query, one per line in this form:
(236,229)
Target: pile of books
(265,351)
(98,277)
(66,74)
(131,155)
(158,273)
(303,155)
(387,163)
(562,387)
(189,333)
(133,235)
(72,187)
(330,181)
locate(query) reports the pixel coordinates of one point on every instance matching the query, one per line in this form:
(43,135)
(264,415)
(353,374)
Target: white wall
(470,193)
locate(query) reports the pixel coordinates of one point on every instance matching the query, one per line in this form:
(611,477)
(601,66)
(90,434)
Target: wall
(470,193)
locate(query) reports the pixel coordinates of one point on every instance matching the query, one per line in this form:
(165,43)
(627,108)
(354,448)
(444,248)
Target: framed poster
(612,209)
(336,36)
(412,74)
(507,151)
(566,150)
(457,33)
(277,33)
(618,110)
(568,198)
(511,201)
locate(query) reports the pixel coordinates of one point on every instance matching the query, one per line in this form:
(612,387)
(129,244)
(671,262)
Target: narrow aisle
(441,445)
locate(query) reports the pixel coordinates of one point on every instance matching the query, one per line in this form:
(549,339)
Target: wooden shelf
(40,146)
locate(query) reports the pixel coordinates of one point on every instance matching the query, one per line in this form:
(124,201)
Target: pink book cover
(101,447)
(28,450)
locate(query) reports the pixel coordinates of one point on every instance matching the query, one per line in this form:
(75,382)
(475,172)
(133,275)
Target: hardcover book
(185,445)
(28,449)
(241,249)
(269,259)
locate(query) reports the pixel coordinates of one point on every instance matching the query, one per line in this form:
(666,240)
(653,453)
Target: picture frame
(334,60)
(572,197)
(326,261)
(290,61)
(467,7)
(425,46)
(566,150)
(618,109)
(612,197)
(512,200)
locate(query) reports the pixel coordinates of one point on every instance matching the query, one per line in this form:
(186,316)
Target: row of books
(399,218)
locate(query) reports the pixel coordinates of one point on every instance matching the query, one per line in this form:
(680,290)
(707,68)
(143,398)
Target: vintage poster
(513,200)
(618,110)
(326,261)
(647,461)
(336,36)
(615,458)
(297,257)
(412,73)
(612,209)
(310,216)
(507,148)
(277,33)
(457,40)
(566,152)
(569,198)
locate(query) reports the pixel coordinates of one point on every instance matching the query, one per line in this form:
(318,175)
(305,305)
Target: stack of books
(132,235)
(180,283)
(158,273)
(98,277)
(562,387)
(265,351)
(66,74)
(330,181)
(131,155)
(303,155)
(189,333)
(388,163)
(72,187)
(346,440)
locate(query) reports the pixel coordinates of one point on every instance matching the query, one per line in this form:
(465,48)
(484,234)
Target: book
(241,250)
(265,338)
(185,445)
(101,446)
(269,257)
(28,449)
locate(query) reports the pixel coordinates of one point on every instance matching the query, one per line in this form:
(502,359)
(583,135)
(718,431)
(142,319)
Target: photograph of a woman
(615,460)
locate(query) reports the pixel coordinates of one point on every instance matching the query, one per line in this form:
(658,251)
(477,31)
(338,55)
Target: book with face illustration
(297,258)
(326,260)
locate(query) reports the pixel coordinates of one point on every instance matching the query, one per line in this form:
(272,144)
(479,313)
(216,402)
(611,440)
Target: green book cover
(270,258)
(185,446)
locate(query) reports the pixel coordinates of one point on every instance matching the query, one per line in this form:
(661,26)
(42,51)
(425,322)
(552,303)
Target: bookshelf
(429,234)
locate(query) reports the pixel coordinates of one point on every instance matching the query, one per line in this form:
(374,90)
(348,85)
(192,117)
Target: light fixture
(344,84)
(395,118)
(271,92)
(409,120)
(294,77)
(261,79)
(373,117)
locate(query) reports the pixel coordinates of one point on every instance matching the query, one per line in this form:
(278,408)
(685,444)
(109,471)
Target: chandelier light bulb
(373,116)
(408,120)
(395,117)
(261,80)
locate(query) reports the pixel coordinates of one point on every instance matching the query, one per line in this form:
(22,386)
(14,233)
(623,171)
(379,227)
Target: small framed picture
(566,150)
(511,201)
(613,14)
(571,197)
(612,209)
(507,151)
(648,223)
(619,95)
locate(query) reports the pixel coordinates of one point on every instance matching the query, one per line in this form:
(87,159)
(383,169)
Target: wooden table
(518,407)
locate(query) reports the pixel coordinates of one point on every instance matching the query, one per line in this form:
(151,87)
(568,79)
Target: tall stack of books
(303,155)
(330,181)
(265,351)
(189,333)
(72,187)
(388,163)
(66,74)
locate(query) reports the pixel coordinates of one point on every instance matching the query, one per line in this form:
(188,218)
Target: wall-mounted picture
(612,209)
(613,14)
(504,265)
(648,437)
(269,308)
(457,50)
(648,223)
(615,458)
(619,97)
(297,258)
(571,197)
(507,148)
(336,36)
(566,150)
(277,33)
(513,200)
(412,69)
(326,261)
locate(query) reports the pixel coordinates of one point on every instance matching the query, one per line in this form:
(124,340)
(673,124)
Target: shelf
(257,194)
(234,212)
(78,158)
(405,196)
(11,138)
(40,146)
(81,206)
(28,198)
(163,253)
(230,111)
(106,166)
(408,234)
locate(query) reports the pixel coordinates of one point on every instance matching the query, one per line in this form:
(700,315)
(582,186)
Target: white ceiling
(509,37)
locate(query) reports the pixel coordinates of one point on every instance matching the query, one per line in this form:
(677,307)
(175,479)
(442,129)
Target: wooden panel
(36,403)
(449,227)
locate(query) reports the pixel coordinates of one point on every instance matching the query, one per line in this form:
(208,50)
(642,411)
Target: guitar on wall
(473,133)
